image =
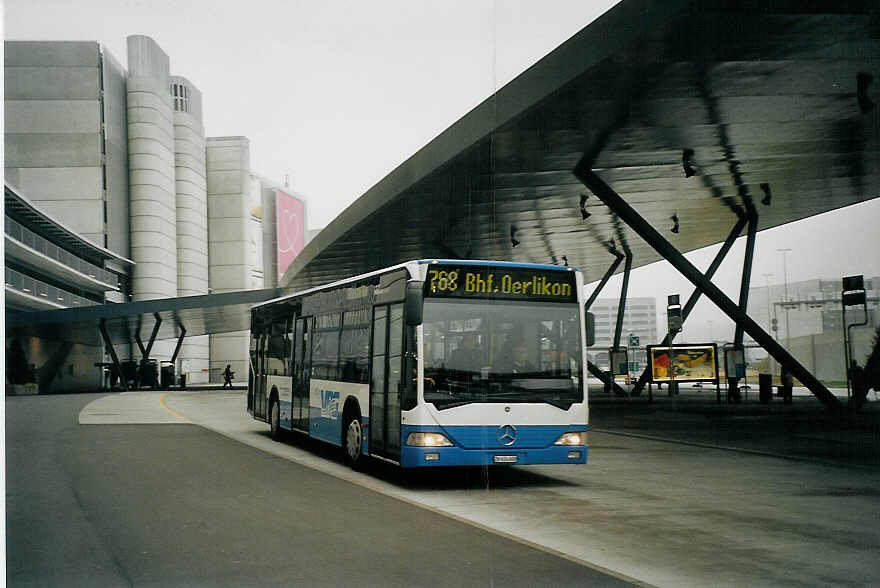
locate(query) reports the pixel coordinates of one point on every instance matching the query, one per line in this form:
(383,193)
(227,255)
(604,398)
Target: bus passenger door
(260,378)
(302,360)
(385,382)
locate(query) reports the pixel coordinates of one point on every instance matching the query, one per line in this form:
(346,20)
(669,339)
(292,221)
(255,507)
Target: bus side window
(288,347)
(354,346)
(325,347)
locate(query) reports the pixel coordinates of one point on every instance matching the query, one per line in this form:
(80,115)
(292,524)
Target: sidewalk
(804,429)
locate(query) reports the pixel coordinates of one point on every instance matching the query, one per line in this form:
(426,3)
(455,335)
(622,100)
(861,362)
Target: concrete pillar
(151,171)
(153,206)
(229,187)
(190,179)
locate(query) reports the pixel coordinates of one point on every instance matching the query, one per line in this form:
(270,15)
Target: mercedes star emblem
(506,434)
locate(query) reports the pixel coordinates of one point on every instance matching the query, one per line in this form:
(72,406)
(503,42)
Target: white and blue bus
(429,363)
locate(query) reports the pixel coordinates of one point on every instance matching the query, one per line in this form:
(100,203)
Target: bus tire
(352,447)
(275,420)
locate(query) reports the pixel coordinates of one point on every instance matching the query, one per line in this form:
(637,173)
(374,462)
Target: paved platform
(680,492)
(804,429)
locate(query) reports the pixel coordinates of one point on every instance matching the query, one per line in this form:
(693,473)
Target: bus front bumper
(457,456)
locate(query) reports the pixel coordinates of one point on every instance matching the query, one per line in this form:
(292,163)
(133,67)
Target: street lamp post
(769,317)
(785,279)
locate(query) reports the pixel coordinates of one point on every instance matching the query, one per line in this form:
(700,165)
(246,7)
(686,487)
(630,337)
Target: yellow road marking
(171,412)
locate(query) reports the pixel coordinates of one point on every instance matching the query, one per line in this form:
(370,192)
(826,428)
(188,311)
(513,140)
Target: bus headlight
(428,440)
(579,438)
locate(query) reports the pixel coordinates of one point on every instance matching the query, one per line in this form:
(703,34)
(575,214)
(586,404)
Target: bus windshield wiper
(533,397)
(444,406)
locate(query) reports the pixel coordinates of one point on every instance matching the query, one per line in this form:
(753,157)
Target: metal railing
(28,285)
(27,237)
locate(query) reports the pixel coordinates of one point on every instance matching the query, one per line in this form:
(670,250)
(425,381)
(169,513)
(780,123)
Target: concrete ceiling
(759,93)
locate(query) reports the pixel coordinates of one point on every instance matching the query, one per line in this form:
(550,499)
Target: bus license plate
(505,459)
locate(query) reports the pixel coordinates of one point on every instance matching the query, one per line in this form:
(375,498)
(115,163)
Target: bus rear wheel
(275,420)
(352,441)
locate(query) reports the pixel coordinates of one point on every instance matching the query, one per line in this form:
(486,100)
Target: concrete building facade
(229,237)
(191,188)
(120,157)
(640,320)
(66,136)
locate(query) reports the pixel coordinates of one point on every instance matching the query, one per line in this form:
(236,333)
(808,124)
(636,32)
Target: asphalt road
(179,505)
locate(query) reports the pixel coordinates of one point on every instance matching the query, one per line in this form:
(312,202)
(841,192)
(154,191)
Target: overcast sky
(336,94)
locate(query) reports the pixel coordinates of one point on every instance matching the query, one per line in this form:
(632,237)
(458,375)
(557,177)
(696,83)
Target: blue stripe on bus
(330,430)
(534,445)
(323,428)
(286,409)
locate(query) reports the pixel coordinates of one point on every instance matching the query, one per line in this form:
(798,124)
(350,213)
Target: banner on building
(291,228)
(685,363)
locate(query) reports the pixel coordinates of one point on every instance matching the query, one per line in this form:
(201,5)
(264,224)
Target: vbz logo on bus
(329,405)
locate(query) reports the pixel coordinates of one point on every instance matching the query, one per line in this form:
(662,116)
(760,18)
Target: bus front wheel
(352,442)
(275,421)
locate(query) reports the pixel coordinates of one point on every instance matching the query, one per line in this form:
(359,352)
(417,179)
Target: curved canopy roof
(754,98)
(18,207)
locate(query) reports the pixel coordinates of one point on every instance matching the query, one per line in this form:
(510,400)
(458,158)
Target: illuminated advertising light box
(500,283)
(684,363)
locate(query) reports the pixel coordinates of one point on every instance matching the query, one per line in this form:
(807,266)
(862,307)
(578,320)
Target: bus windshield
(501,351)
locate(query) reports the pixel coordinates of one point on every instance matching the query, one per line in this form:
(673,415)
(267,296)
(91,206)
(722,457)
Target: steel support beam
(747,270)
(108,345)
(145,351)
(155,332)
(621,305)
(651,236)
(179,342)
(695,295)
(591,367)
(611,269)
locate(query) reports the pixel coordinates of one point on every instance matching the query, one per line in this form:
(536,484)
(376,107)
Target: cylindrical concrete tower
(229,192)
(192,213)
(153,207)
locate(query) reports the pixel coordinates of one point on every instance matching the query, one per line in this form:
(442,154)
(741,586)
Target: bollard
(765,385)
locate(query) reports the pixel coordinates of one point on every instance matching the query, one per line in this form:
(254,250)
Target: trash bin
(182,381)
(129,372)
(765,385)
(150,373)
(167,375)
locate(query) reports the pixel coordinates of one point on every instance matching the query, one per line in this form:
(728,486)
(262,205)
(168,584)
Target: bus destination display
(500,283)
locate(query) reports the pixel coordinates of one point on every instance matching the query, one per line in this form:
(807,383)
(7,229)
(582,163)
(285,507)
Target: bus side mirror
(414,303)
(591,328)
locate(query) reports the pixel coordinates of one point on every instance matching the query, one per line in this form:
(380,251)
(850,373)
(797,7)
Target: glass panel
(477,351)
(302,372)
(377,381)
(379,332)
(277,350)
(354,347)
(325,355)
(395,361)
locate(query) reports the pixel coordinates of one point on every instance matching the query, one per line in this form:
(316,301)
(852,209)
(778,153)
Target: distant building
(119,158)
(811,308)
(808,322)
(640,320)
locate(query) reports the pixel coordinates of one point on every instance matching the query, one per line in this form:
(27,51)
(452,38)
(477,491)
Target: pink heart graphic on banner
(290,230)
